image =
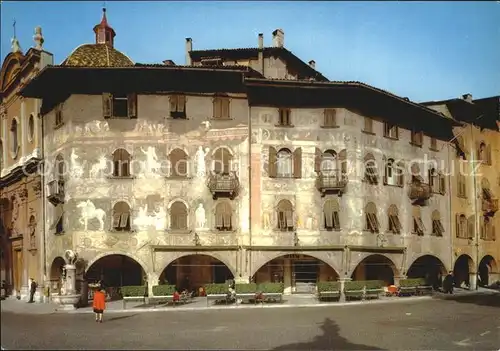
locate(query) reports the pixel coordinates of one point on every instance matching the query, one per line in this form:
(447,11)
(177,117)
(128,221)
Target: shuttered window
(330,117)
(121,216)
(371,169)
(394,223)
(221,107)
(331,215)
(285,216)
(223,217)
(372,224)
(284,163)
(368,125)
(178,163)
(121,163)
(178,216)
(178,106)
(222,161)
(284,117)
(418,224)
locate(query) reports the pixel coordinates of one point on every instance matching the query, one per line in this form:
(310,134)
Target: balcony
(419,191)
(331,182)
(490,206)
(201,239)
(55,192)
(223,185)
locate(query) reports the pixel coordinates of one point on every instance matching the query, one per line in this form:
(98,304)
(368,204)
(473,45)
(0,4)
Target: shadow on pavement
(330,340)
(490,300)
(121,317)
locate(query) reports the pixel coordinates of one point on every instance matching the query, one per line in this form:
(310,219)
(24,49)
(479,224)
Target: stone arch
(117,200)
(132,256)
(178,199)
(462,269)
(429,267)
(374,267)
(488,268)
(56,268)
(228,148)
(194,270)
(319,255)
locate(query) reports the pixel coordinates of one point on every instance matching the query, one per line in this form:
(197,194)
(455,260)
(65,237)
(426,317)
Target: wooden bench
(328,295)
(372,293)
(357,294)
(274,297)
(246,297)
(217,298)
(126,299)
(165,298)
(424,290)
(407,290)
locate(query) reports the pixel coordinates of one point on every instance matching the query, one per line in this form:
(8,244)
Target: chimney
(261,40)
(312,64)
(189,48)
(467,97)
(278,38)
(169,63)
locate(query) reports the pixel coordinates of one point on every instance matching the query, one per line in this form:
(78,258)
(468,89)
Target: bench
(328,295)
(356,294)
(273,297)
(424,290)
(246,297)
(165,298)
(217,298)
(407,290)
(373,293)
(126,299)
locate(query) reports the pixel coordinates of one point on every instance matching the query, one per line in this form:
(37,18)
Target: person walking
(448,283)
(99,304)
(33,286)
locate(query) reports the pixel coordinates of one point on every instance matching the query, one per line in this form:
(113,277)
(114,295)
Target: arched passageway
(192,272)
(56,274)
(430,268)
(488,271)
(299,273)
(375,267)
(464,265)
(116,271)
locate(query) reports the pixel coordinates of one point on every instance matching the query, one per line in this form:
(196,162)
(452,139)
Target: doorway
(305,275)
(18,271)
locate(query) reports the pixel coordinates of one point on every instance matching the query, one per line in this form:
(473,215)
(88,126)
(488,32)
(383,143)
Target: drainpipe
(42,180)
(476,221)
(249,183)
(450,199)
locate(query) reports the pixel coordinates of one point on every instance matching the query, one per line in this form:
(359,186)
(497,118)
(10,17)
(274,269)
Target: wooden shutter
(272,170)
(440,226)
(397,224)
(225,108)
(116,219)
(124,220)
(227,218)
(336,220)
(289,219)
(217,104)
(132,105)
(386,165)
(297,163)
(219,220)
(317,160)
(107,105)
(471,223)
(458,226)
(442,184)
(328,214)
(173,103)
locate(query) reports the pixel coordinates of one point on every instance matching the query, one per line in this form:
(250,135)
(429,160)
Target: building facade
(475,185)
(245,164)
(21,220)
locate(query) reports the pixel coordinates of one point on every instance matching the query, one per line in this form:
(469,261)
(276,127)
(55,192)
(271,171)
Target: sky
(421,50)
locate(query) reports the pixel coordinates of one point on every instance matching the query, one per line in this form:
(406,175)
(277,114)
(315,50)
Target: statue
(71,257)
(89,211)
(200,161)
(76,169)
(38,38)
(142,220)
(207,124)
(200,217)
(266,220)
(152,163)
(98,167)
(16,47)
(32,227)
(160,217)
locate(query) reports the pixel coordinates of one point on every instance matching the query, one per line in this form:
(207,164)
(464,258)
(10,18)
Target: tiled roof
(97,55)
(249,70)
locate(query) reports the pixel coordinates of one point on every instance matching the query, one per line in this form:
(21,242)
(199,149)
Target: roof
(97,55)
(245,53)
(250,72)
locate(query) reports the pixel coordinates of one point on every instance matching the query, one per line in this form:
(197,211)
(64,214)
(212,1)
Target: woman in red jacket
(99,304)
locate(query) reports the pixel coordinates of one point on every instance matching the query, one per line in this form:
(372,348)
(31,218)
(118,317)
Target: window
(121,216)
(285,164)
(437,226)
(31,128)
(368,127)
(417,138)
(121,163)
(119,105)
(223,217)
(284,117)
(221,107)
(14,138)
(371,169)
(178,106)
(461,226)
(390,130)
(178,163)
(285,216)
(437,182)
(393,218)
(471,230)
(488,230)
(461,186)
(331,215)
(60,167)
(222,159)
(372,224)
(58,121)
(418,225)
(484,153)
(178,216)
(393,173)
(434,144)
(58,220)
(330,117)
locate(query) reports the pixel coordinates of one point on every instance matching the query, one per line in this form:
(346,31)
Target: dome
(97,55)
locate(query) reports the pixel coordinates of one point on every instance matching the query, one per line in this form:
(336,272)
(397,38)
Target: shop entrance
(305,272)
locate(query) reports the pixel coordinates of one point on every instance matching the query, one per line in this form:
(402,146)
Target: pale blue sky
(423,50)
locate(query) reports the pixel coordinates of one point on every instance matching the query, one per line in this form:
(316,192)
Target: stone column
(70,279)
(152,279)
(398,278)
(472,280)
(342,286)
(287,276)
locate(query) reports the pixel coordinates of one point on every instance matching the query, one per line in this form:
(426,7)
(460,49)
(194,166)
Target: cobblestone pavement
(467,322)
